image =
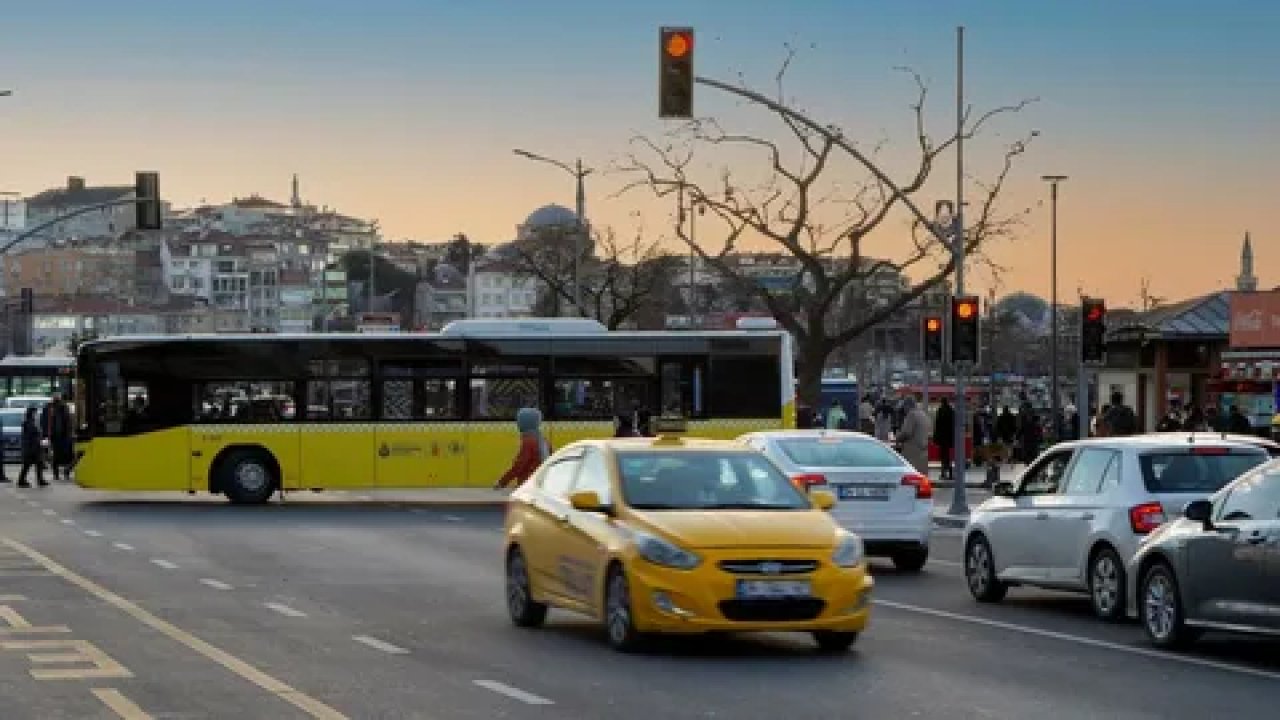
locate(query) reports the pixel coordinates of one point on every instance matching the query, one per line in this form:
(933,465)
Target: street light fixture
(579,173)
(1053,181)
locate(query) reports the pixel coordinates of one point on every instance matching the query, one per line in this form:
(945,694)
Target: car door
(1074,512)
(1230,565)
(1017,526)
(584,552)
(548,522)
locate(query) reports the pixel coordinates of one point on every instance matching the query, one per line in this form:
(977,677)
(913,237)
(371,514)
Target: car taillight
(1146,517)
(924,488)
(804,482)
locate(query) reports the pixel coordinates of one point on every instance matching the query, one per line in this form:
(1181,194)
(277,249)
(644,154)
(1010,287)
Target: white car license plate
(862,492)
(774,588)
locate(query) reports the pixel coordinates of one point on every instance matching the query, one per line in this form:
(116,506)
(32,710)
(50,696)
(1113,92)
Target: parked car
(1075,516)
(11,424)
(879,495)
(22,402)
(1216,568)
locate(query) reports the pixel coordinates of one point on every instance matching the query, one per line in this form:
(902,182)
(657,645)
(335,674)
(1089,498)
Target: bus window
(598,399)
(339,389)
(500,398)
(245,401)
(420,390)
(682,388)
(731,374)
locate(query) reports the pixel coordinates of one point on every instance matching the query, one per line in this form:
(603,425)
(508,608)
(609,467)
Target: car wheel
(834,641)
(524,611)
(1107,584)
(980,572)
(911,560)
(1160,609)
(248,477)
(619,623)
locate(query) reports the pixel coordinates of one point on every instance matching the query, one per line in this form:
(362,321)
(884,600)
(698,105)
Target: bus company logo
(384,450)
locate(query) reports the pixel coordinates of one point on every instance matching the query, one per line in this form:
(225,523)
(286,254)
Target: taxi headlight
(848,551)
(660,552)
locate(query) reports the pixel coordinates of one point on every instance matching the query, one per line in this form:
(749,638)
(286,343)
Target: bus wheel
(248,477)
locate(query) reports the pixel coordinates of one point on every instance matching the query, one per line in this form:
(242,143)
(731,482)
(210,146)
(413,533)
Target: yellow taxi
(675,535)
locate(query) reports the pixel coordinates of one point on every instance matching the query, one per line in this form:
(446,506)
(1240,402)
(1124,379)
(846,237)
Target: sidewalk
(977,492)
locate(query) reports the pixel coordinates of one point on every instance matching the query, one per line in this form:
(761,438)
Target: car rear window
(838,452)
(1190,471)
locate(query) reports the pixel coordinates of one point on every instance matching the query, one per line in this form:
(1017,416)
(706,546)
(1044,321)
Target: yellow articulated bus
(247,415)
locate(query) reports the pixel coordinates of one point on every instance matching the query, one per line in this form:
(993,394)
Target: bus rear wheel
(248,477)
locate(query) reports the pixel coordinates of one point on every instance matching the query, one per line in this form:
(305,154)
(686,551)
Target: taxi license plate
(774,588)
(862,492)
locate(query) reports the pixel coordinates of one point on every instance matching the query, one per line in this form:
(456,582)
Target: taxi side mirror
(588,501)
(822,499)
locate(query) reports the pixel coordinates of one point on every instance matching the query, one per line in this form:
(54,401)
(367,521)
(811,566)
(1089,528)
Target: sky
(1164,115)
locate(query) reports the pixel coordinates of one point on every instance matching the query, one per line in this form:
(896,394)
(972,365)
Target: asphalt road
(332,607)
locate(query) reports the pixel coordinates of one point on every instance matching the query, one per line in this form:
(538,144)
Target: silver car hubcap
(619,610)
(1161,607)
(978,568)
(517,585)
(251,476)
(1106,583)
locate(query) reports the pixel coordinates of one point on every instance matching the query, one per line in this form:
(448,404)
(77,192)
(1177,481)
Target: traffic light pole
(959,495)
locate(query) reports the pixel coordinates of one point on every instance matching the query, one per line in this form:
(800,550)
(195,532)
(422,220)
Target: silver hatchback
(1075,517)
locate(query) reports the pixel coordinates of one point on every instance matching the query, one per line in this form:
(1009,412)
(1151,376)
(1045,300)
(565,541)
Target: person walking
(1030,432)
(944,435)
(32,450)
(867,417)
(836,417)
(1120,420)
(913,436)
(1237,423)
(534,448)
(55,424)
(884,421)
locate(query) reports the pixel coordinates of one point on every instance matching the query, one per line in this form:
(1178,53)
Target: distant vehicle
(879,495)
(1271,446)
(1215,568)
(681,536)
(11,423)
(38,375)
(1074,519)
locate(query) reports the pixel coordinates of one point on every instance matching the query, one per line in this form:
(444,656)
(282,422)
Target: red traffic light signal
(966,309)
(675,72)
(678,43)
(933,324)
(1094,310)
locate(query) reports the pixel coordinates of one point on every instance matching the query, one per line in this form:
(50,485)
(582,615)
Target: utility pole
(959,496)
(1054,403)
(580,201)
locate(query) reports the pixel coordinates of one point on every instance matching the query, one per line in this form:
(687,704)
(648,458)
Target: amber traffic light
(932,326)
(1093,330)
(675,72)
(964,329)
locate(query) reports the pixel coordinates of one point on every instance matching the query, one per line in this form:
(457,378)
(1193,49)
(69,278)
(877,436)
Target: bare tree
(624,282)
(813,214)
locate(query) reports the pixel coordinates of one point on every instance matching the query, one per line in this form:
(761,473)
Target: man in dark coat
(55,426)
(944,434)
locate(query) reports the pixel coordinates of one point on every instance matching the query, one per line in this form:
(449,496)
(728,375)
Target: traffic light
(1093,330)
(675,72)
(932,328)
(146,190)
(964,329)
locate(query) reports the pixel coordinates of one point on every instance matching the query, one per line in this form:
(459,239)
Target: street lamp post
(1053,181)
(959,469)
(580,201)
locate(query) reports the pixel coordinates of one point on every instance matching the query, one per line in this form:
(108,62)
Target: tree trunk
(810,362)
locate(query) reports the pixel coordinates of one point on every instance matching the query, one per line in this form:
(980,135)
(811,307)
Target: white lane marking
(123,546)
(215,584)
(163,563)
(285,610)
(1082,640)
(49,512)
(68,521)
(453,518)
(377,644)
(93,533)
(513,692)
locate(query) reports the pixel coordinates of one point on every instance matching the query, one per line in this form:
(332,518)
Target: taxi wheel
(912,560)
(980,572)
(619,623)
(525,612)
(834,641)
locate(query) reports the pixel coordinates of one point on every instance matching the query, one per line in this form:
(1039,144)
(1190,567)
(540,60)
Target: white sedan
(879,495)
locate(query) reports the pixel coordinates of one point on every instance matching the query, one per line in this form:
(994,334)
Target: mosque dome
(550,216)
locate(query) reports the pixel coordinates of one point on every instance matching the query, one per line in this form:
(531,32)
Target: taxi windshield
(705,480)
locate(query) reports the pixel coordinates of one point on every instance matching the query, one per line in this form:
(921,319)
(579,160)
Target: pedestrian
(866,417)
(913,436)
(1214,420)
(983,439)
(1195,420)
(1030,432)
(944,434)
(1007,430)
(32,450)
(836,417)
(55,423)
(1237,423)
(884,421)
(533,449)
(1120,420)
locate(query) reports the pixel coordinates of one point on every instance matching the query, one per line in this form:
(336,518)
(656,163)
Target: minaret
(296,201)
(1246,282)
